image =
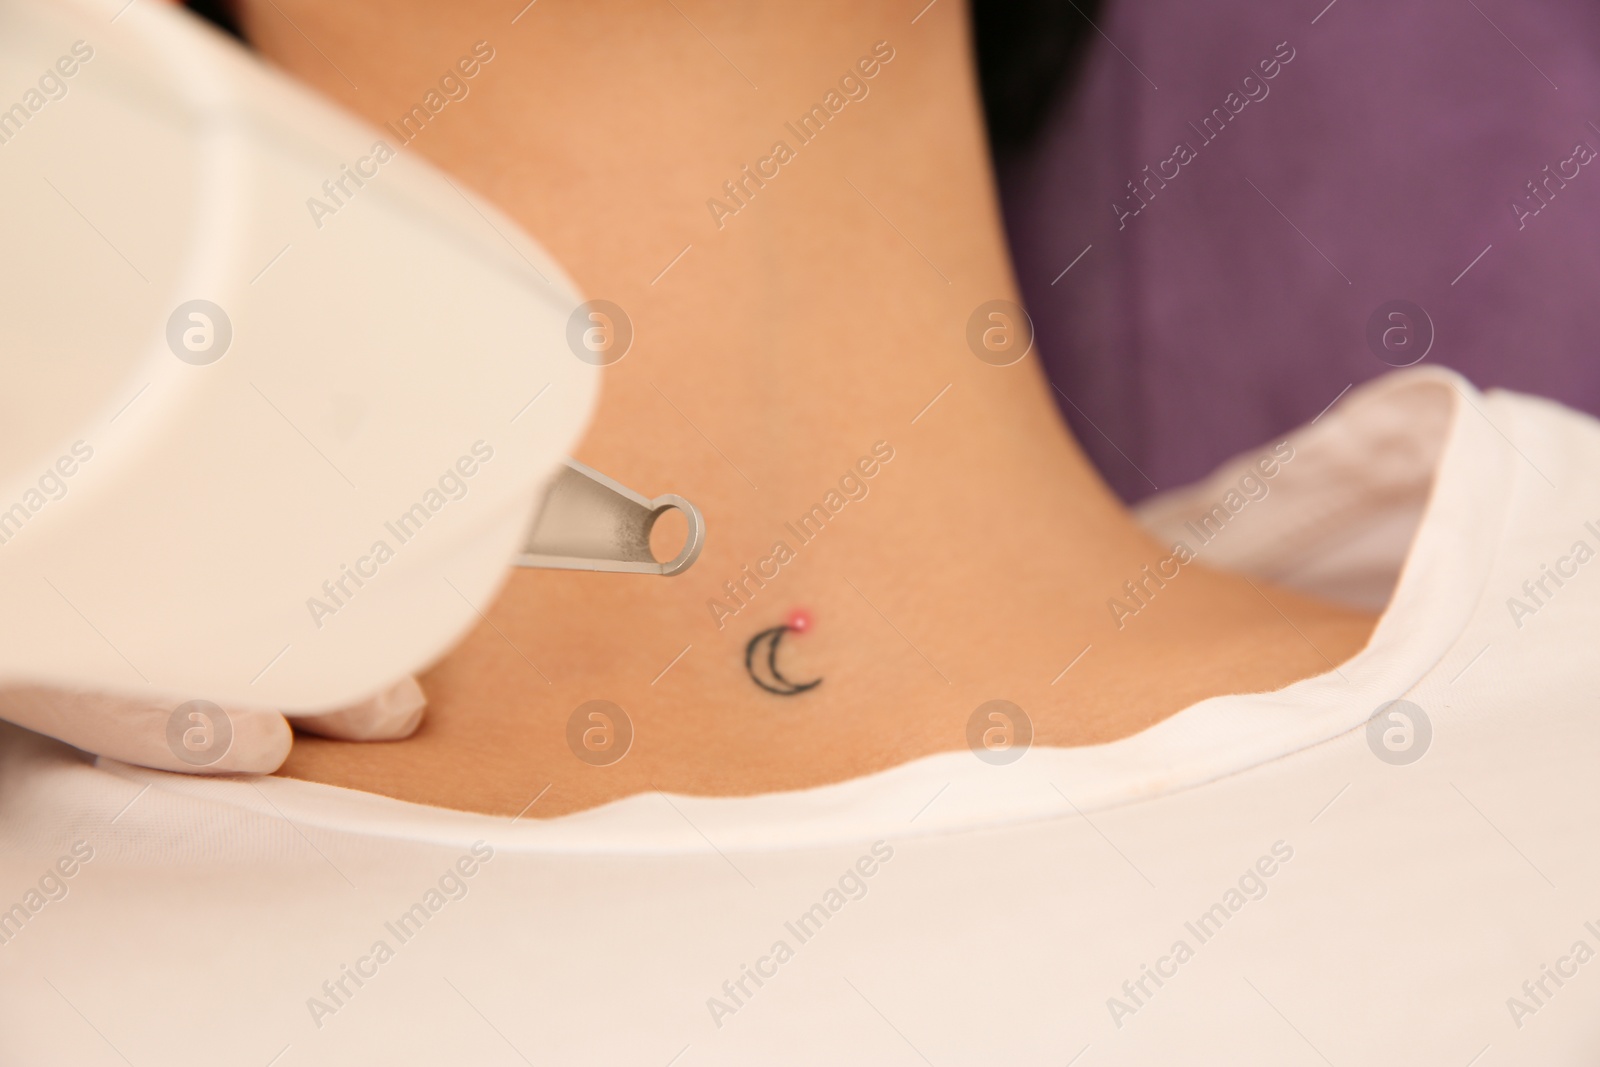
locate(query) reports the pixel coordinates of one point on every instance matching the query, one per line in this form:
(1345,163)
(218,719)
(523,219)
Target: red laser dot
(799,621)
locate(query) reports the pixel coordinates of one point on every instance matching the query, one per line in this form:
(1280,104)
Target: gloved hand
(199,737)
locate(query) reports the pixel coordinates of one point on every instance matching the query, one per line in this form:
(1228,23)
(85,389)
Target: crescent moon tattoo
(775,682)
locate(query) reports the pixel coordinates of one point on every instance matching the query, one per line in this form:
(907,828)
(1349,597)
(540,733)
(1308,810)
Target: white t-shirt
(1258,879)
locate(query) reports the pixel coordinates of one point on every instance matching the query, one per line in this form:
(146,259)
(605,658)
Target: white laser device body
(251,452)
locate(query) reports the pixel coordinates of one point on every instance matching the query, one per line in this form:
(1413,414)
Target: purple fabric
(1377,164)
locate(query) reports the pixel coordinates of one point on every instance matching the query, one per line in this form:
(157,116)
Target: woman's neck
(800,316)
(793,207)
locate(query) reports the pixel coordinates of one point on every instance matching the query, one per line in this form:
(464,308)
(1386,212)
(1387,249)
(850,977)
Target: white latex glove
(198,737)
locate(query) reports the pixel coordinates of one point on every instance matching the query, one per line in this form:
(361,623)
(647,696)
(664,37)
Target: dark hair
(217,12)
(1028,52)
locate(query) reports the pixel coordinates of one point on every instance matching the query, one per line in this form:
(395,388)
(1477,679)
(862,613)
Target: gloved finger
(393,714)
(194,737)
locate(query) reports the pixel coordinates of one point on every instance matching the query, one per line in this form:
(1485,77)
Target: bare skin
(819,319)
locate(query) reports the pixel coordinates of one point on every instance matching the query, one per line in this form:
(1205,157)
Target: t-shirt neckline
(1438,587)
